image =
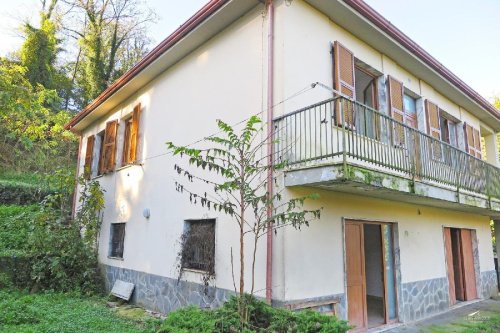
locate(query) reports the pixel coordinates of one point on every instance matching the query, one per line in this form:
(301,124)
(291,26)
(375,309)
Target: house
(402,152)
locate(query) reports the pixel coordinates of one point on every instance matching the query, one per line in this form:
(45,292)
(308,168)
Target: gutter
(270,100)
(193,22)
(383,24)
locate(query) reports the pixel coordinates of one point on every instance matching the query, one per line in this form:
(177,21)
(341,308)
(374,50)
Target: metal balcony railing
(341,130)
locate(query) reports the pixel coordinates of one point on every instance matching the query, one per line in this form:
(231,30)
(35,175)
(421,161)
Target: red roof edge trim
(378,20)
(195,20)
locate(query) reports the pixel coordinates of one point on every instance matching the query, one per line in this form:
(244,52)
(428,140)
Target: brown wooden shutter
(344,80)
(477,143)
(87,169)
(134,133)
(472,141)
(397,109)
(468,262)
(449,266)
(109,146)
(433,127)
(126,143)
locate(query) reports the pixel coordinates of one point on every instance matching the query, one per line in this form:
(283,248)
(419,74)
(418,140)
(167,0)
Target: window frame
(113,254)
(189,239)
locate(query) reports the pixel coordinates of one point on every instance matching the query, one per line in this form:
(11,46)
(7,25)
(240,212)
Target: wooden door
(356,279)
(449,265)
(469,272)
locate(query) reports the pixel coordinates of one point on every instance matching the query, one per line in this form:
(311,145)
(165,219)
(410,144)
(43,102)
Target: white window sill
(193,270)
(126,166)
(115,258)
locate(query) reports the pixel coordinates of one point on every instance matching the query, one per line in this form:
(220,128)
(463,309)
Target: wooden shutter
(87,169)
(468,264)
(397,109)
(134,133)
(449,266)
(433,127)
(355,275)
(344,80)
(472,141)
(477,143)
(126,143)
(109,147)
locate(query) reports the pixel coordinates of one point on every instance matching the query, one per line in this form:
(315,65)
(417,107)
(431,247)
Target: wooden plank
(458,264)
(449,265)
(468,265)
(356,278)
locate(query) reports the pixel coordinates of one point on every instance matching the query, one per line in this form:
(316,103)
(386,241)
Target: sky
(464,35)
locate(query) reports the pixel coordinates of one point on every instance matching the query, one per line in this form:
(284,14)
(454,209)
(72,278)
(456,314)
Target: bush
(19,193)
(43,248)
(261,318)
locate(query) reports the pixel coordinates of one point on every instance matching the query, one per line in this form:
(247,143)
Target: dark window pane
(199,245)
(117,238)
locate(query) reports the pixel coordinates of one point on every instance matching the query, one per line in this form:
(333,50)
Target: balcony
(342,145)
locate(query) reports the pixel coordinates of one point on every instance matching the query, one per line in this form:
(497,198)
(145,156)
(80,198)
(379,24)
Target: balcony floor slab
(374,183)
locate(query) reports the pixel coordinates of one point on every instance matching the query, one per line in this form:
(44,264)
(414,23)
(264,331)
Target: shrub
(262,318)
(43,248)
(20,193)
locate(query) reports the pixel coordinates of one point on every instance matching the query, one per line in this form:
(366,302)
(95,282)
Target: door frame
(396,259)
(475,262)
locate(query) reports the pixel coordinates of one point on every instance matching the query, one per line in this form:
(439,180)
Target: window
(89,152)
(117,240)
(97,169)
(198,250)
(131,133)
(410,108)
(448,128)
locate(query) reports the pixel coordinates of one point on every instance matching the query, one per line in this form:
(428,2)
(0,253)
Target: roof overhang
(215,16)
(372,28)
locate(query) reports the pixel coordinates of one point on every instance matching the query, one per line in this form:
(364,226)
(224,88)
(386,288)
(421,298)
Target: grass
(65,313)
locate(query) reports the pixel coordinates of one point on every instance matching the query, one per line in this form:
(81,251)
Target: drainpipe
(270,98)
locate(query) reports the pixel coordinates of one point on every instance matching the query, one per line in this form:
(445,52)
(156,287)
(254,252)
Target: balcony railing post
(344,143)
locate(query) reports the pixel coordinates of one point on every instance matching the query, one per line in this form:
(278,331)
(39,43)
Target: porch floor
(454,320)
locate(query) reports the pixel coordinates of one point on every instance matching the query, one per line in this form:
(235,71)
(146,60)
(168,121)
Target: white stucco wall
(226,79)
(223,79)
(316,254)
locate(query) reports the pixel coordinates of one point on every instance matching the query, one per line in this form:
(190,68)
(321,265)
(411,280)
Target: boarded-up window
(89,152)
(397,110)
(344,83)
(108,148)
(473,141)
(198,249)
(117,240)
(131,136)
(433,128)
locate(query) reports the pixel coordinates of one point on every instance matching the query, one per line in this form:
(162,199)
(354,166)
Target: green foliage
(262,318)
(39,52)
(20,193)
(32,135)
(15,226)
(235,158)
(54,252)
(50,312)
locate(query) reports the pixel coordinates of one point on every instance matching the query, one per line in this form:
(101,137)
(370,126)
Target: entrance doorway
(370,274)
(460,264)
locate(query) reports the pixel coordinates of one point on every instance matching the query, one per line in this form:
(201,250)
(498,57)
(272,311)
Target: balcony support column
(491,146)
